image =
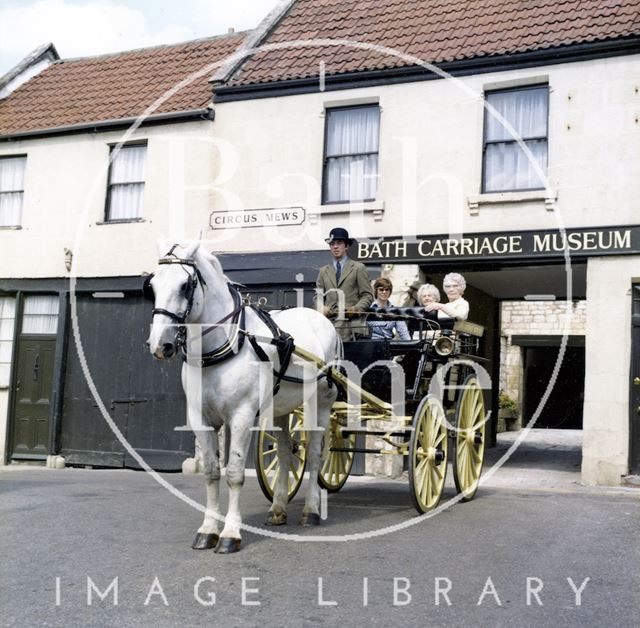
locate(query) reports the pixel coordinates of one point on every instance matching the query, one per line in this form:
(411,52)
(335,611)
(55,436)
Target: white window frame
(329,198)
(7,334)
(511,144)
(139,182)
(16,188)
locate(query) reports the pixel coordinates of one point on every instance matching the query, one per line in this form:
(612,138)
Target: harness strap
(283,343)
(226,350)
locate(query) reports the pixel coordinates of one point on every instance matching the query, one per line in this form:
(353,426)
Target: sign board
(243,218)
(593,241)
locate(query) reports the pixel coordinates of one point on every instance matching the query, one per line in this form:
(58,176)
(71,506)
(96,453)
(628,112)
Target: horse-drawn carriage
(238,360)
(441,411)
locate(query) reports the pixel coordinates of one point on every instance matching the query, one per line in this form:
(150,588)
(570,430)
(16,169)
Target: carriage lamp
(444,345)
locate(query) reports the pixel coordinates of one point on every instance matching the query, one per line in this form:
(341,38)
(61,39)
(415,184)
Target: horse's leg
(278,512)
(240,426)
(311,510)
(207,535)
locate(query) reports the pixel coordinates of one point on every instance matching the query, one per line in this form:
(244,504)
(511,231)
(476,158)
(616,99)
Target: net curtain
(352,175)
(11,190)
(127,183)
(507,166)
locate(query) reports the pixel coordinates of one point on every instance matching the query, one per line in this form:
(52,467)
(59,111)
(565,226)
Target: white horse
(189,287)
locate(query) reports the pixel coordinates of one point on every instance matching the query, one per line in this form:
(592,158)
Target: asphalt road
(64,530)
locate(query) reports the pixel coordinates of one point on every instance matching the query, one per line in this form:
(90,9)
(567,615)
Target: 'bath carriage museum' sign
(507,245)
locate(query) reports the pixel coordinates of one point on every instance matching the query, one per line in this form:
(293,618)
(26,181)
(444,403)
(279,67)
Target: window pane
(128,165)
(12,174)
(40,315)
(507,167)
(351,178)
(524,110)
(11,190)
(11,209)
(351,154)
(353,131)
(126,201)
(7,323)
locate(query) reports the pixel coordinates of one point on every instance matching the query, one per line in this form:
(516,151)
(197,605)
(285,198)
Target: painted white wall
(606,403)
(594,155)
(64,202)
(268,153)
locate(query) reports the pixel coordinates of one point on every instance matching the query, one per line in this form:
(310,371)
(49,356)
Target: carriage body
(422,398)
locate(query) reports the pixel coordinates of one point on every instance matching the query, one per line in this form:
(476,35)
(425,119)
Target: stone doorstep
(630,481)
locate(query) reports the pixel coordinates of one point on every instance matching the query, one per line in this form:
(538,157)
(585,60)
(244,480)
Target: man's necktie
(338,271)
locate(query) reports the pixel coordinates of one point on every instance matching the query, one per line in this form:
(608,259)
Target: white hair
(458,278)
(428,288)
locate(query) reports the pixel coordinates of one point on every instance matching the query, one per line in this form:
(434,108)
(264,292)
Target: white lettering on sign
(597,241)
(238,219)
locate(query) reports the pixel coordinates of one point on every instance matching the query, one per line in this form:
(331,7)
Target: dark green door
(634,431)
(32,399)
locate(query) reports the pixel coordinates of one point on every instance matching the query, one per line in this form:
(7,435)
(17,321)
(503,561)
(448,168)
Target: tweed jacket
(356,287)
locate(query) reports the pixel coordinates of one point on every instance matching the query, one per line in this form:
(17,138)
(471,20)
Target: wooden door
(32,398)
(634,405)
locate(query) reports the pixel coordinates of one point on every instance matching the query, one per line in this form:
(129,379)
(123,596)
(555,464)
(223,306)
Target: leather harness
(283,341)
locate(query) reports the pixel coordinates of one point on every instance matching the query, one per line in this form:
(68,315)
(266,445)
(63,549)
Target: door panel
(143,396)
(32,405)
(634,405)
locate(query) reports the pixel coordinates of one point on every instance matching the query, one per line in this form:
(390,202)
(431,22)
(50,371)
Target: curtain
(7,323)
(40,315)
(11,190)
(127,183)
(507,167)
(351,170)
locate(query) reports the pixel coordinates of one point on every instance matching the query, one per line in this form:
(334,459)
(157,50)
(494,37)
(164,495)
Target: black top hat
(338,233)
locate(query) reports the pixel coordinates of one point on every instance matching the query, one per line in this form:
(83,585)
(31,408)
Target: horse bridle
(218,354)
(190,289)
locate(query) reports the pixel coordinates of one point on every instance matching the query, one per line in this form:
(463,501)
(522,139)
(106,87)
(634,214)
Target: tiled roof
(112,87)
(435,31)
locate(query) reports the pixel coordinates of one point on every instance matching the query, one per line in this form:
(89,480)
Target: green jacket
(356,287)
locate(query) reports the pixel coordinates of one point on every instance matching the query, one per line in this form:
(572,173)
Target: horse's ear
(163,248)
(191,248)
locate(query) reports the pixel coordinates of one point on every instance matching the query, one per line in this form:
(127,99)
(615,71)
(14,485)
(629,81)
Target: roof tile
(111,87)
(433,30)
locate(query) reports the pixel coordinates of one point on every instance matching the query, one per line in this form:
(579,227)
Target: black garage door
(143,396)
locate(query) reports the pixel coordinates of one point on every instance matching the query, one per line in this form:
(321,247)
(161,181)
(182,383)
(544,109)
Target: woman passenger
(454,286)
(383,330)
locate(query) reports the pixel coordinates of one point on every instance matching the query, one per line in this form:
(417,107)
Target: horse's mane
(211,259)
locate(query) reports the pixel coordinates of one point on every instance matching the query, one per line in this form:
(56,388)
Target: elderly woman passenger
(381,330)
(428,293)
(454,286)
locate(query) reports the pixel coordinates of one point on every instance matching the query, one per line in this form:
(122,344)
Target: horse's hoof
(310,519)
(227,545)
(204,541)
(276,519)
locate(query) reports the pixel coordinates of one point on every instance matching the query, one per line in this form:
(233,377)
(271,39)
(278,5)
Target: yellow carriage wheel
(336,465)
(268,464)
(467,455)
(428,455)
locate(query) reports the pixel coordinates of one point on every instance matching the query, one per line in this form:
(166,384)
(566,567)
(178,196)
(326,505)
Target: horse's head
(176,291)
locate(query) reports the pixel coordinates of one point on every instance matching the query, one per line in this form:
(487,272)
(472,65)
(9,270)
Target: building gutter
(464,67)
(112,125)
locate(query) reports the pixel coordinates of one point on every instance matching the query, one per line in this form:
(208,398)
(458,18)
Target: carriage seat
(403,346)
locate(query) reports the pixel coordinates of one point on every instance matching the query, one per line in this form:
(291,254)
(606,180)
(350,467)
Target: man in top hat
(344,277)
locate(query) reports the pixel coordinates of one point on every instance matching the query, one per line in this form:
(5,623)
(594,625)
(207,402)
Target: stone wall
(533,318)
